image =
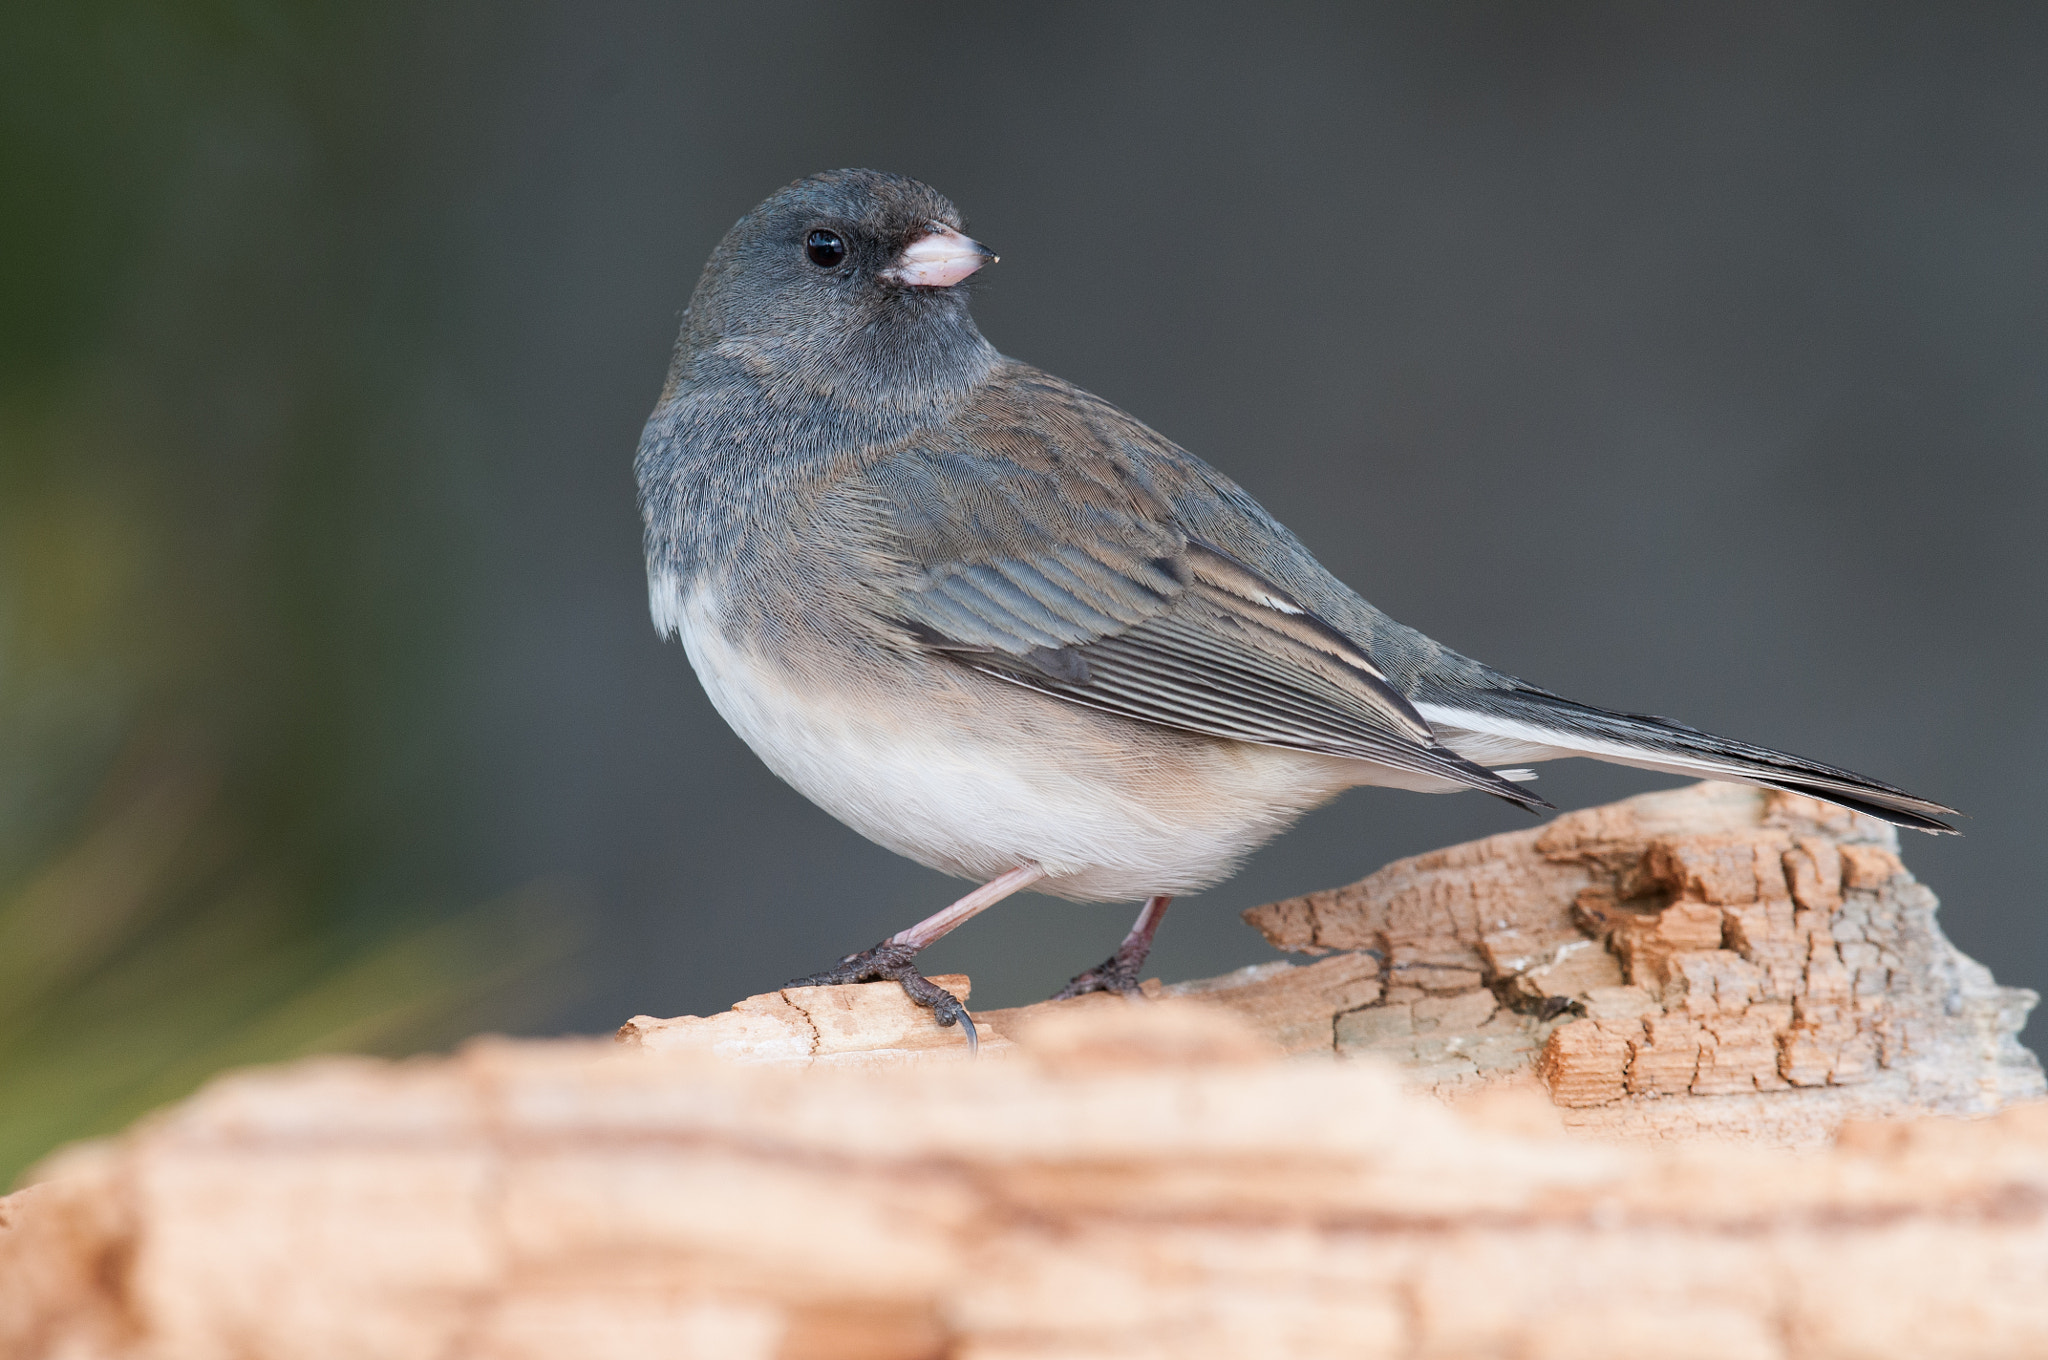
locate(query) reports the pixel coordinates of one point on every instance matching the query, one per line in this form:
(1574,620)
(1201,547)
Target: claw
(1120,971)
(892,962)
(967,1029)
(1113,974)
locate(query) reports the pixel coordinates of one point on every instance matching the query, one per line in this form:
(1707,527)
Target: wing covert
(1082,586)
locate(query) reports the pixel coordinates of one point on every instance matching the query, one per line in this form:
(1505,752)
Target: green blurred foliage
(219,631)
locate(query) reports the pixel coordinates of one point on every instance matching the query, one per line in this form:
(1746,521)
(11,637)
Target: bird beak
(939,259)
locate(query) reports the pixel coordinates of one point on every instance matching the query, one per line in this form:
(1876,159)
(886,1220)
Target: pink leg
(891,960)
(1119,972)
(931,928)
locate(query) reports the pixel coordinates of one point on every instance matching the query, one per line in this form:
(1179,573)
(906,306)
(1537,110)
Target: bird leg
(893,959)
(1119,972)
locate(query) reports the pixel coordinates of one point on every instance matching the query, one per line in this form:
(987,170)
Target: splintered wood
(1247,1167)
(1130,1182)
(1712,960)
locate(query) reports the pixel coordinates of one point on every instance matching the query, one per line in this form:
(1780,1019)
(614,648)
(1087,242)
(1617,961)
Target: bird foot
(892,962)
(1118,973)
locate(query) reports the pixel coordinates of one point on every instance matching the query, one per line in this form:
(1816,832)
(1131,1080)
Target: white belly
(972,776)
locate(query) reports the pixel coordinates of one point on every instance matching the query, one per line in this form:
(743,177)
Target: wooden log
(1713,960)
(1130,1181)
(1383,1152)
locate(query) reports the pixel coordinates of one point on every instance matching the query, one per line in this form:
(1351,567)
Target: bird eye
(825,248)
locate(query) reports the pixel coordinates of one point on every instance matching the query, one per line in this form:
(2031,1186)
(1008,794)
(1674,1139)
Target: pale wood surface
(1337,1159)
(1715,959)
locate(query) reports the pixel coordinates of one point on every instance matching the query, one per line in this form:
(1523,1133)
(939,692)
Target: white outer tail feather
(1491,739)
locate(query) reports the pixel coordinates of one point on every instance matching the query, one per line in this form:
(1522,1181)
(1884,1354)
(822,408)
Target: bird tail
(1509,726)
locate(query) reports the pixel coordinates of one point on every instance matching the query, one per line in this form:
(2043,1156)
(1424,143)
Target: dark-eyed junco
(999,626)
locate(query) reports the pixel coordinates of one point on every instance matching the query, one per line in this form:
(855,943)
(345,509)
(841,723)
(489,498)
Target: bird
(997,625)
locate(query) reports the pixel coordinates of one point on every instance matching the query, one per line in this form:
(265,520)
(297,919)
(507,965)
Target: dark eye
(825,248)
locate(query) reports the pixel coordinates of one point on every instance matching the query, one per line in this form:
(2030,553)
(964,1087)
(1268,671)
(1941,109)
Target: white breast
(971,776)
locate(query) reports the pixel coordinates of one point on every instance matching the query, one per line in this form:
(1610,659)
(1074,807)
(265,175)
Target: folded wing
(1082,587)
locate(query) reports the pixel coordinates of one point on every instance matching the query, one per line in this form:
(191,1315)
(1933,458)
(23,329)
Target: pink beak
(938,259)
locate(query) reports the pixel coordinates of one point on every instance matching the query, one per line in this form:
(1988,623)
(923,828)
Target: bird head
(852,279)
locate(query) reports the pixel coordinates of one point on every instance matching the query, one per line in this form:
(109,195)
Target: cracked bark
(1145,1181)
(820,1172)
(1714,959)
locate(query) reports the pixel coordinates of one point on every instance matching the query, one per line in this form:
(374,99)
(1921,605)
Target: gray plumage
(913,573)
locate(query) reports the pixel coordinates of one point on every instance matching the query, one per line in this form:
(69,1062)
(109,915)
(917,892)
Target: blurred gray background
(1682,359)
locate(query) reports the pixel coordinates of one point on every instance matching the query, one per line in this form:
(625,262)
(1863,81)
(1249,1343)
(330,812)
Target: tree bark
(1713,960)
(823,1173)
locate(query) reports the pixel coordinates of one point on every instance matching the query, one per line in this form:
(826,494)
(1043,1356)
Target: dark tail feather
(1547,723)
(1897,816)
(1486,781)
